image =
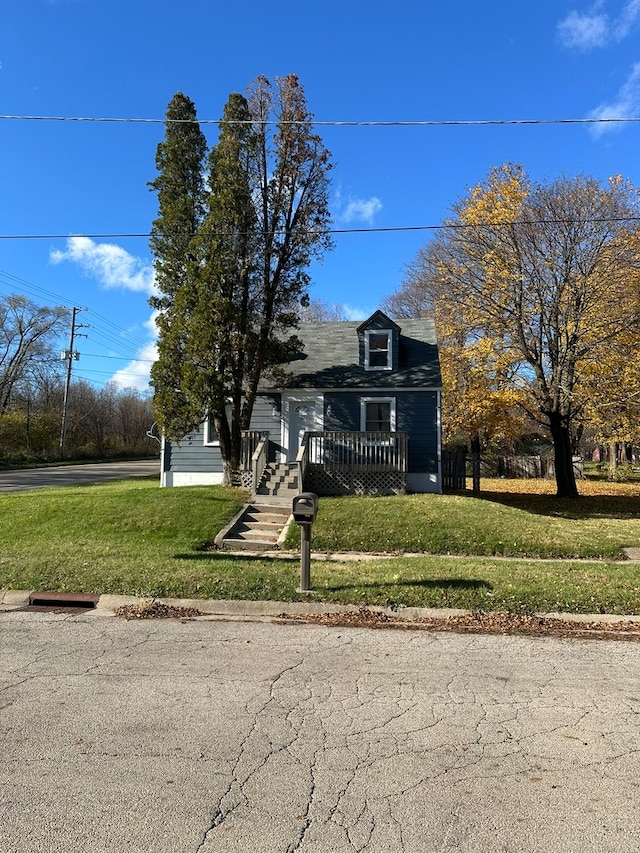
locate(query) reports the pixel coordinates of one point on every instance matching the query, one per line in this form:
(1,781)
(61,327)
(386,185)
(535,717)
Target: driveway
(203,736)
(19,479)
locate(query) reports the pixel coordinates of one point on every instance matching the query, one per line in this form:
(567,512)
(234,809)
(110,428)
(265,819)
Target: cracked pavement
(200,736)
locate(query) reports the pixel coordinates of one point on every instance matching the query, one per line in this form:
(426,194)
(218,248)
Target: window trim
(363,411)
(367,336)
(208,431)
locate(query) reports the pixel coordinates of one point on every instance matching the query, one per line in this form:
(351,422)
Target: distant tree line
(101,422)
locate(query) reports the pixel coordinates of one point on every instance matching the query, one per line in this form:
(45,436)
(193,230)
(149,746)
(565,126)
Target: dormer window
(377,353)
(379,343)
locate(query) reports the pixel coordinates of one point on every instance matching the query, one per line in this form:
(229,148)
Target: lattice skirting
(243,479)
(355,483)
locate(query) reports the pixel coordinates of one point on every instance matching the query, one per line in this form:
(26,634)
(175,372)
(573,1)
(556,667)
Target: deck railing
(302,459)
(358,452)
(250,440)
(258,458)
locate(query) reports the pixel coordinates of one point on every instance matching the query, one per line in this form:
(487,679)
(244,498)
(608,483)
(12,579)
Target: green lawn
(133,538)
(496,523)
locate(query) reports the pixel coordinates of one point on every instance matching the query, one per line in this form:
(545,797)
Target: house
(359,412)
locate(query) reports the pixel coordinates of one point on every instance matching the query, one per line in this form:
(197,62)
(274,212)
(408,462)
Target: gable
(378,343)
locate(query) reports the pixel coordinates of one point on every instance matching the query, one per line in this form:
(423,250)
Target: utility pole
(68,355)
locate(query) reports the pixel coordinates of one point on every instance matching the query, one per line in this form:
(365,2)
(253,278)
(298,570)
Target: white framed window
(210,435)
(378,353)
(378,414)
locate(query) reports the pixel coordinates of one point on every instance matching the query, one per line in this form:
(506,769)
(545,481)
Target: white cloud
(583,31)
(597,29)
(626,105)
(114,267)
(627,19)
(111,265)
(362,210)
(136,373)
(352,313)
(350,209)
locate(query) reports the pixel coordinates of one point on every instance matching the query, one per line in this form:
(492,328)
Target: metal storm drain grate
(78,602)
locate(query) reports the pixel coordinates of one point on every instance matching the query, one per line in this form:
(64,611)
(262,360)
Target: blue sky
(359,61)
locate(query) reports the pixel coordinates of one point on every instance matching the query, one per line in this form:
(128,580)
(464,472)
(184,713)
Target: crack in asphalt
(334,747)
(374,727)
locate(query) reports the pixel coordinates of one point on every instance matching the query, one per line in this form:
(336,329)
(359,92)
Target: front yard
(134,538)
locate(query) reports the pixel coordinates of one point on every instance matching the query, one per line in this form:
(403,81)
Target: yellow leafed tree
(536,290)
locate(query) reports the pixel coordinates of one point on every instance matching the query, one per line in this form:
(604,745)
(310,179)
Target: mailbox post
(304,511)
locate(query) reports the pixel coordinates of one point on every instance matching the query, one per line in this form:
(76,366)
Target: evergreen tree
(221,339)
(243,276)
(181,207)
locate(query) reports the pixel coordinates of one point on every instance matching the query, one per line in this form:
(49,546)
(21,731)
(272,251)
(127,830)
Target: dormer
(379,339)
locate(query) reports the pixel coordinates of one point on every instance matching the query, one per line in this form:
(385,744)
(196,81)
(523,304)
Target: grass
(133,538)
(530,522)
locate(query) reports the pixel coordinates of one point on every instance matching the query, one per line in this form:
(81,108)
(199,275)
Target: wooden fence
(454,469)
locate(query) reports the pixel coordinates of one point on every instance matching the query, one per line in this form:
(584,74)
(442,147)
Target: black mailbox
(305,508)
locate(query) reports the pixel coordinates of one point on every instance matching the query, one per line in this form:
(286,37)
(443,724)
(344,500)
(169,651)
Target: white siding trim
(186,478)
(208,428)
(389,334)
(163,473)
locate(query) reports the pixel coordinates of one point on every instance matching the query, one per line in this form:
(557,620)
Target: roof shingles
(331,358)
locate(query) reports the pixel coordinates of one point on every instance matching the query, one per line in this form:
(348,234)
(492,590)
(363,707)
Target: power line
(109,335)
(373,230)
(21,284)
(113,336)
(119,358)
(331,123)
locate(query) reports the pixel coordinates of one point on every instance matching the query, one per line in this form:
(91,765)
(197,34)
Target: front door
(304,416)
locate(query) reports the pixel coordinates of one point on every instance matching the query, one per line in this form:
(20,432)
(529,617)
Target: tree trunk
(563,457)
(223,432)
(613,462)
(475,463)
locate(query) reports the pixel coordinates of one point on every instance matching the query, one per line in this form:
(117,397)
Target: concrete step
(289,489)
(256,526)
(267,518)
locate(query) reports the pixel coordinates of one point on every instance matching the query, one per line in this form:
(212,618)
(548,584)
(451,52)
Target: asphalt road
(204,736)
(20,479)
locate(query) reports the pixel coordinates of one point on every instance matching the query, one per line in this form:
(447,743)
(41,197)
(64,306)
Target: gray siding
(416,414)
(267,417)
(191,456)
(342,411)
